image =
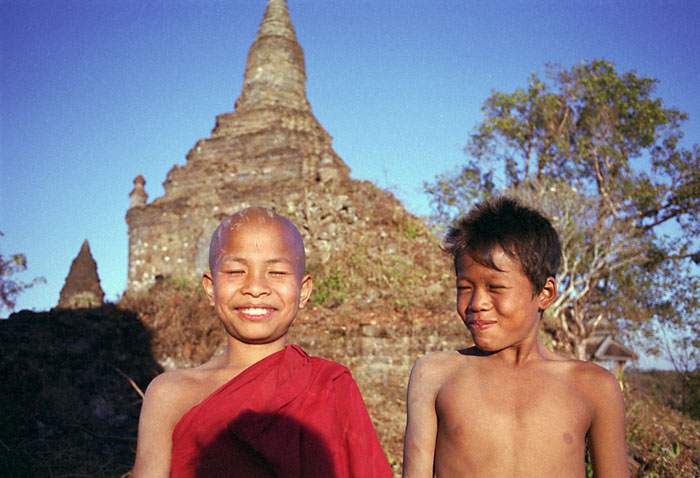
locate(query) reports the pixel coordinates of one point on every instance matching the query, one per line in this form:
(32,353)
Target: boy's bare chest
(511,425)
(510,408)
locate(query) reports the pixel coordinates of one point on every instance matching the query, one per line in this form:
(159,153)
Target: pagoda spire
(82,286)
(275,74)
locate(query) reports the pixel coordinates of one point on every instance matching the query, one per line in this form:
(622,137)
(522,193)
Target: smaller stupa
(138,196)
(82,287)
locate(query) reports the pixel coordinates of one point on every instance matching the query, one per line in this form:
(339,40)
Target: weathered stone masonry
(270,151)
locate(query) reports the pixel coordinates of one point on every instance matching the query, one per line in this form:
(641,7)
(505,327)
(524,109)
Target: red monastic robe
(288,415)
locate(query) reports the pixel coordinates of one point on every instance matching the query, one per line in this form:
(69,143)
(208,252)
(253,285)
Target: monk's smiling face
(257,282)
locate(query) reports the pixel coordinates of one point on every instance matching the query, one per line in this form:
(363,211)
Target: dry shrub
(661,441)
(185,329)
(385,270)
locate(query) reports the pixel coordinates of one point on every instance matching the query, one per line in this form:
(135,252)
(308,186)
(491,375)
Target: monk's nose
(256,285)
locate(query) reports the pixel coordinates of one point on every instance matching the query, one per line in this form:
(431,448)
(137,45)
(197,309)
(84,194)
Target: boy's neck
(518,355)
(240,355)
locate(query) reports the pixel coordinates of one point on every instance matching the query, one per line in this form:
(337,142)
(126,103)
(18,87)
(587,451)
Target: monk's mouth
(255,313)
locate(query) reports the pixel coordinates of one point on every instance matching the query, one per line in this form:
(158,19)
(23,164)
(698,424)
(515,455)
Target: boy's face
(257,284)
(498,307)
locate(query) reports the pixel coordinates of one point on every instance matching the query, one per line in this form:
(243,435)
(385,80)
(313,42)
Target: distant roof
(608,348)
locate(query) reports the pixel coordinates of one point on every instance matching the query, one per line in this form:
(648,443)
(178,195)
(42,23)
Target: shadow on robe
(266,445)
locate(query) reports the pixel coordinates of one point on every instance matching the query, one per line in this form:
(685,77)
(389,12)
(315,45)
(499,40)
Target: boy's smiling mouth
(255,312)
(479,324)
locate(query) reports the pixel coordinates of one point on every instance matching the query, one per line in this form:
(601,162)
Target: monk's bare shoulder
(172,393)
(168,397)
(176,391)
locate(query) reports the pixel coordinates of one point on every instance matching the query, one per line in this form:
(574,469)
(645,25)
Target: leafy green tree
(600,154)
(10,288)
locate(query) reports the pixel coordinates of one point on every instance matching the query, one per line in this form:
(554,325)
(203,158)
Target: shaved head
(262,218)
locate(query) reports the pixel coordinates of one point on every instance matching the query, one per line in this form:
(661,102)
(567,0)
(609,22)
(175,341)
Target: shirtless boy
(509,407)
(262,408)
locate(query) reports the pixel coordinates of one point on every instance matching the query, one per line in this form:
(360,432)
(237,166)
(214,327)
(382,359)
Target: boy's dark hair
(522,232)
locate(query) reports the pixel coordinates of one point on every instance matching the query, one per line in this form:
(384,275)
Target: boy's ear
(548,294)
(307,286)
(208,284)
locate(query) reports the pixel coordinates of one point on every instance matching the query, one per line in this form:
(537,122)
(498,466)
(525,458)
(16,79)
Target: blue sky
(95,92)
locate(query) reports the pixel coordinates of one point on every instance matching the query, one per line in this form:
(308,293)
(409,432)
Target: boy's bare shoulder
(583,372)
(437,366)
(597,382)
(441,359)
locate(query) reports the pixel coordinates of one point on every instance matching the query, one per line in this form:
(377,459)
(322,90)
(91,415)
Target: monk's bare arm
(421,423)
(606,439)
(156,423)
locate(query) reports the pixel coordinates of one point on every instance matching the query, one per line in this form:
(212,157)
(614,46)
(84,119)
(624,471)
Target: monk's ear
(208,284)
(548,294)
(307,286)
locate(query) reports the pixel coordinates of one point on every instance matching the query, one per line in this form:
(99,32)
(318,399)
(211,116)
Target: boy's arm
(606,438)
(156,423)
(421,422)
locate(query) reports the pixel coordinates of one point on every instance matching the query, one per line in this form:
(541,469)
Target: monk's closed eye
(234,272)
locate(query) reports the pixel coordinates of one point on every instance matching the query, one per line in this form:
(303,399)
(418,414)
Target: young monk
(508,407)
(263,408)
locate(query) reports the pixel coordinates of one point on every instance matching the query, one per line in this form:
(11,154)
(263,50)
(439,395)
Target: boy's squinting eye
(279,273)
(233,271)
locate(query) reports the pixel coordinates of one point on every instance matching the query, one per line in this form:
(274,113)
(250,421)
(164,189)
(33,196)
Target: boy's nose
(256,285)
(479,301)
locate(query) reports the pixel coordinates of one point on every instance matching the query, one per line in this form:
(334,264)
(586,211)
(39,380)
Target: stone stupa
(82,287)
(270,151)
